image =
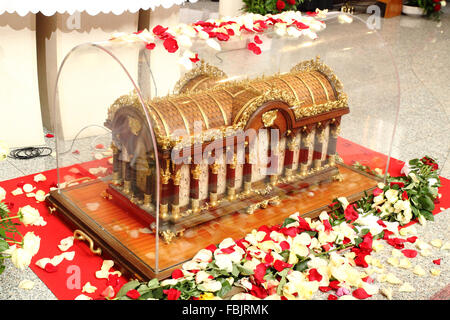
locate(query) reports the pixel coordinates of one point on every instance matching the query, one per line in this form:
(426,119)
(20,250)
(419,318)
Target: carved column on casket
(289,154)
(247,169)
(335,127)
(195,187)
(176,179)
(165,190)
(231,178)
(319,139)
(305,145)
(213,172)
(117,165)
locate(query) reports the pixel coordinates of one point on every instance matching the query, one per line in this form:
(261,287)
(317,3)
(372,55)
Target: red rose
(171,45)
(291,2)
(280,5)
(133,294)
(172,294)
(351,213)
(377,192)
(398,183)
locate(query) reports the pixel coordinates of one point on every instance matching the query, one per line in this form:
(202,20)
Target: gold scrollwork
(269,117)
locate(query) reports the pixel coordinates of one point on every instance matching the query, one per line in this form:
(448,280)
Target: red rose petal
(113,280)
(50,268)
(314,275)
(268,258)
(100,146)
(211,248)
(332,297)
(437,261)
(260,272)
(381,223)
(412,239)
(133,294)
(158,30)
(280,265)
(284,245)
(228,250)
(171,45)
(150,46)
(324,289)
(177,273)
(257,40)
(409,253)
(334,284)
(49,135)
(172,294)
(360,293)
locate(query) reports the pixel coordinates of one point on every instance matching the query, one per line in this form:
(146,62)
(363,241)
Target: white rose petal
(88,288)
(15,192)
(83,297)
(66,243)
(213,44)
(406,287)
(29,215)
(26,284)
(39,177)
(28,188)
(436,243)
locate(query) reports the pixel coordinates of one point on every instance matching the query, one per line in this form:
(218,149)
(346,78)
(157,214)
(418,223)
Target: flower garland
(300,257)
(214,31)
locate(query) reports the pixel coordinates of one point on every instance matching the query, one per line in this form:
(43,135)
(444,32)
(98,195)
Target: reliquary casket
(225,146)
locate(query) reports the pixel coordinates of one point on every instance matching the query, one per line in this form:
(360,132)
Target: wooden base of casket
(261,195)
(126,238)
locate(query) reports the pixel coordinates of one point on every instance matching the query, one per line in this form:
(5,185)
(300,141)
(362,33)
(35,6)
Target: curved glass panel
(205,150)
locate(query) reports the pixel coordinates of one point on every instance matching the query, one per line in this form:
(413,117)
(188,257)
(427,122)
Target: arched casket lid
(196,116)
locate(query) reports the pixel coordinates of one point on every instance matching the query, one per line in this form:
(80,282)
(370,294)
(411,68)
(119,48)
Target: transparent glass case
(160,156)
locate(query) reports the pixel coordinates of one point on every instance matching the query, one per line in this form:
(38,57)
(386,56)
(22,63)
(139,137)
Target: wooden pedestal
(120,234)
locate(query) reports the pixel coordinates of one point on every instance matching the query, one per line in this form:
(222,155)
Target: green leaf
(302,266)
(427,215)
(288,221)
(364,231)
(427,203)
(3,245)
(235,271)
(226,287)
(244,271)
(127,287)
(152,284)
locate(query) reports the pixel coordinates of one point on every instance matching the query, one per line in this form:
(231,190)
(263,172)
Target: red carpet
(61,282)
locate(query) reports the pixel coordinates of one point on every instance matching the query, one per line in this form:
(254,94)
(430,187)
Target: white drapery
(92,7)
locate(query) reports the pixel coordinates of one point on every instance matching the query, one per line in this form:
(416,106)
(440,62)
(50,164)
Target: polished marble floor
(419,49)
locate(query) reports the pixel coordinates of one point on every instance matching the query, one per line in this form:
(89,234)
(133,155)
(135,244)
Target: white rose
(21,258)
(31,243)
(29,215)
(443,4)
(391,195)
(2,194)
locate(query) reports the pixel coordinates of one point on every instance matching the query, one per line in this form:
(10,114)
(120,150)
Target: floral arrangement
(20,251)
(270,6)
(431,8)
(300,257)
(214,31)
